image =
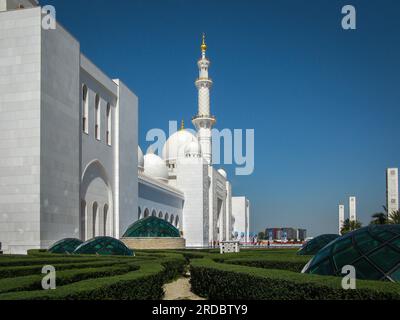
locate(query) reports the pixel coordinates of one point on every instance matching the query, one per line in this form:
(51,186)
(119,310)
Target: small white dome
(155,167)
(174,148)
(193,149)
(140,158)
(223,173)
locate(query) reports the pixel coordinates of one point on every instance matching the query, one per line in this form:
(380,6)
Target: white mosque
(184,187)
(70,165)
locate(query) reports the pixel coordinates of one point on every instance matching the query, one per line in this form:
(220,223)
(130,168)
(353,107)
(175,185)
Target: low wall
(154,243)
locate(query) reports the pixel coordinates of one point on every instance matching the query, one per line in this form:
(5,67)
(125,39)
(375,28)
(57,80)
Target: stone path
(180,290)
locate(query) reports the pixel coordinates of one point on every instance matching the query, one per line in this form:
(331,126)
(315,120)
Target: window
(85,111)
(108,130)
(97,117)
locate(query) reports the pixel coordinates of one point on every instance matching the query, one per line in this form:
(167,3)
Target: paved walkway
(180,290)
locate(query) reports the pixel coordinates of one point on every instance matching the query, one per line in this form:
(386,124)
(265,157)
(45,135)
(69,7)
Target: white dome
(193,149)
(223,173)
(140,158)
(155,167)
(174,147)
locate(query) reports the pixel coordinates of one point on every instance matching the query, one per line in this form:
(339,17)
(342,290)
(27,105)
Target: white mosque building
(70,165)
(185,188)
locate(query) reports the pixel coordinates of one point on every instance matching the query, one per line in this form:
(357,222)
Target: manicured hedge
(221,281)
(268,264)
(12,272)
(33,282)
(144,283)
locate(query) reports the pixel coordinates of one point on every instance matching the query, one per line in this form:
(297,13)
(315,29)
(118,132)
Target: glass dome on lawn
(152,227)
(67,245)
(105,246)
(374,251)
(314,245)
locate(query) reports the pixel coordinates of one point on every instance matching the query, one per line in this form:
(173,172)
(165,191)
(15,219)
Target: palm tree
(394,217)
(379,218)
(349,226)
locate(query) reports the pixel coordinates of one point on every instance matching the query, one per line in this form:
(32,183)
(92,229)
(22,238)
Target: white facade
(392,190)
(241,217)
(353,208)
(341,218)
(68,166)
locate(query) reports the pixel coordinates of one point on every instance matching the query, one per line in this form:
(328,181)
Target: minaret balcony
(204,82)
(204,121)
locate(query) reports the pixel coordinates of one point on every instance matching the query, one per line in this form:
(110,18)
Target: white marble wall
(20,107)
(241,216)
(44,153)
(193,181)
(60,145)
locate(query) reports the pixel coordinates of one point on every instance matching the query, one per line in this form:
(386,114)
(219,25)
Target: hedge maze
(252,274)
(89,277)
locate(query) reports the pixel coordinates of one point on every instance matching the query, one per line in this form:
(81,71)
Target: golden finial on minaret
(182,125)
(203,44)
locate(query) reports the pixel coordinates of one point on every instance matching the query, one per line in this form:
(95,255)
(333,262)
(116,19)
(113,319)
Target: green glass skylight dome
(105,246)
(152,227)
(374,251)
(313,246)
(67,245)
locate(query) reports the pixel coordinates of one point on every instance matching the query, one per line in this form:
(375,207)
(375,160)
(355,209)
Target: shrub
(144,283)
(231,282)
(33,282)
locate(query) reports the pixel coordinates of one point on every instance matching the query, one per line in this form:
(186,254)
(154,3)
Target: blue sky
(324,102)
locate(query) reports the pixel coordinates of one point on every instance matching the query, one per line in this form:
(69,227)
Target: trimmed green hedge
(220,281)
(142,279)
(33,282)
(13,272)
(267,264)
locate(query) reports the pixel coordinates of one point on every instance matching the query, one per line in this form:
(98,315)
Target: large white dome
(140,158)
(155,167)
(174,148)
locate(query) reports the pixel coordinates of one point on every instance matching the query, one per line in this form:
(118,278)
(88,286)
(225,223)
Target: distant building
(341,218)
(285,234)
(353,208)
(392,190)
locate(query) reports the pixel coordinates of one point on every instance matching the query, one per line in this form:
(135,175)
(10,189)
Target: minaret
(204,121)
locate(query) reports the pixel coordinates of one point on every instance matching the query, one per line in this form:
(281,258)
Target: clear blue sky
(324,102)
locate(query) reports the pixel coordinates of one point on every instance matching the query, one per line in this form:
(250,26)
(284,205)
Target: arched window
(85,109)
(95,229)
(139,213)
(106,231)
(171,220)
(166,216)
(97,117)
(82,225)
(146,213)
(160,215)
(108,129)
(177,222)
(154,213)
